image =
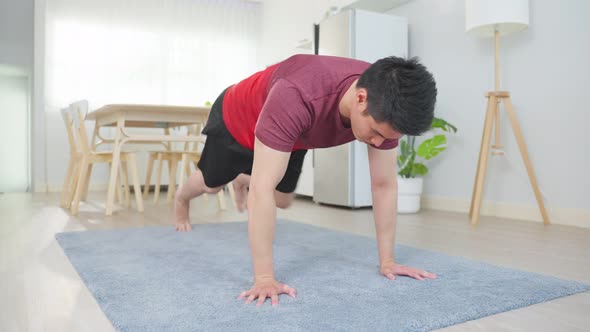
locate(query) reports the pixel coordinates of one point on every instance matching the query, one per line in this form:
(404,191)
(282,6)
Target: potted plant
(411,167)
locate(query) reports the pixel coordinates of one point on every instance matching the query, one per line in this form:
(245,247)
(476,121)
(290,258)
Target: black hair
(400,92)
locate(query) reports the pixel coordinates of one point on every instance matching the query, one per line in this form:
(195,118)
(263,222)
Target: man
(260,129)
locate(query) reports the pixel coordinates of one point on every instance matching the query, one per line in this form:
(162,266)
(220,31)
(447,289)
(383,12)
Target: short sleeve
(388,144)
(284,117)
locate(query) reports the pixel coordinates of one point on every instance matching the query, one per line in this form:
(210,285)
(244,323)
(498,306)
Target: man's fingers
(251,298)
(274,299)
(261,299)
(390,276)
(290,291)
(286,289)
(428,275)
(183,227)
(243,295)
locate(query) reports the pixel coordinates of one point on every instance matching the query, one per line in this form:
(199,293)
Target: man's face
(365,128)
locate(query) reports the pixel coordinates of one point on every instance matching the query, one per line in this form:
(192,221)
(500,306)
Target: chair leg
(172,167)
(183,166)
(73,183)
(158,179)
(66,186)
(221,200)
(187,169)
(82,176)
(86,183)
(135,177)
(232,194)
(148,175)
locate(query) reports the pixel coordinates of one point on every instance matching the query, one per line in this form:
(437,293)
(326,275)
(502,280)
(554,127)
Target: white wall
(16,32)
(547,71)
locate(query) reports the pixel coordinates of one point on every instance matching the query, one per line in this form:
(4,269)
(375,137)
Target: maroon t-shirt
(293,105)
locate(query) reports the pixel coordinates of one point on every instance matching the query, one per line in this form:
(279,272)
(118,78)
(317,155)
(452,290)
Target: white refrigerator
(341,174)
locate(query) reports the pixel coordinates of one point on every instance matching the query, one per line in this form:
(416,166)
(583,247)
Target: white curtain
(178,52)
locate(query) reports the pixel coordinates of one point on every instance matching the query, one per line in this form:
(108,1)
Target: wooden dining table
(124,116)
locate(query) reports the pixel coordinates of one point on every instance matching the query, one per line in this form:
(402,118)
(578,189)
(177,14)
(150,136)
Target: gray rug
(155,279)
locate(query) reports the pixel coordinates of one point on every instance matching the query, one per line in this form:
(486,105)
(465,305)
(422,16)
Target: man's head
(394,97)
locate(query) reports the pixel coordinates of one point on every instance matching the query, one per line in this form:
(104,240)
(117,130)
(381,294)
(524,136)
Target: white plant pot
(408,194)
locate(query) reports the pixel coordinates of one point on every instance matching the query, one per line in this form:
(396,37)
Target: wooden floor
(40,290)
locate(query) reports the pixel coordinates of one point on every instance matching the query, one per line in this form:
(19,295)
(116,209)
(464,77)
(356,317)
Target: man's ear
(361,99)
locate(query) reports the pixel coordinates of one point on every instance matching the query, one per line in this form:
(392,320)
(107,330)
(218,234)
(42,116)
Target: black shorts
(223,158)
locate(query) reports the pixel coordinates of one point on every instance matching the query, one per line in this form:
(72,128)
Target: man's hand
(390,270)
(267,288)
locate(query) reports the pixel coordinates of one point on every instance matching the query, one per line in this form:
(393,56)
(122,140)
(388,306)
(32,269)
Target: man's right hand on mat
(267,288)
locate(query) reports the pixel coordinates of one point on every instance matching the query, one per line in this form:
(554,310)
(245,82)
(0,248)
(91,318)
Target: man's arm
(383,168)
(267,171)
(382,165)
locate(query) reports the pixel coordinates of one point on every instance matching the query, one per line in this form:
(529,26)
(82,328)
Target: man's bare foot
(241,195)
(181,222)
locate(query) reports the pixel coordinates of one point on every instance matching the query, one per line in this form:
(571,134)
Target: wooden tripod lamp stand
(492,18)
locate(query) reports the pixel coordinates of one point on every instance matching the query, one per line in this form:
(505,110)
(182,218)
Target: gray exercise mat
(156,279)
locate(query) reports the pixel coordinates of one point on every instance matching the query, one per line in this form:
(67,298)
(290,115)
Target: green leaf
(419,169)
(443,125)
(432,147)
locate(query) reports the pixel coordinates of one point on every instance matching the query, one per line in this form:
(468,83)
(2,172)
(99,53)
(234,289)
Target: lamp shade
(483,17)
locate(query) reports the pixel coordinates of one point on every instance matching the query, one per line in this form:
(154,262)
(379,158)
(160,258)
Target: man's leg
(284,200)
(241,183)
(194,187)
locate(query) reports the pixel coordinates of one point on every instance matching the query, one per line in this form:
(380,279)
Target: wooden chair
(86,158)
(71,178)
(73,170)
(190,153)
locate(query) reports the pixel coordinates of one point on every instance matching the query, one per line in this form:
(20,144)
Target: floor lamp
(493,18)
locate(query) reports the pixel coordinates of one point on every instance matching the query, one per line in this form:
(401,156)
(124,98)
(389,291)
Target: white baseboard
(557,216)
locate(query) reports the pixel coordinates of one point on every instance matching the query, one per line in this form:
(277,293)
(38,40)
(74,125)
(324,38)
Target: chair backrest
(71,131)
(78,111)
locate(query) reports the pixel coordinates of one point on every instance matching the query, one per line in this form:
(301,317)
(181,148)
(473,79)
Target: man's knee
(212,190)
(284,200)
